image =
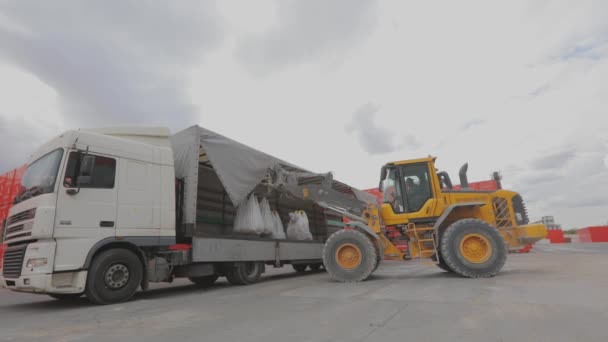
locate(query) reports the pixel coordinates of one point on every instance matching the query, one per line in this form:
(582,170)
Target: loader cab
(410,191)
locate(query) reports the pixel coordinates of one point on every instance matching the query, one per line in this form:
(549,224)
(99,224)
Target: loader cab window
(103,176)
(416,185)
(391,191)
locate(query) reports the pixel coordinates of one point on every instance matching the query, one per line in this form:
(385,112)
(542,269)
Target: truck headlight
(38,262)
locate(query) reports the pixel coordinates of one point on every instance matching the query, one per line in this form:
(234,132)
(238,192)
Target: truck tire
(300,268)
(349,256)
(65,296)
(441,264)
(204,281)
(473,249)
(114,277)
(245,273)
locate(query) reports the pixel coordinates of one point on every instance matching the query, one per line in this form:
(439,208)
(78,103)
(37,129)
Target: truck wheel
(300,268)
(204,281)
(441,264)
(349,256)
(65,296)
(245,273)
(473,248)
(114,277)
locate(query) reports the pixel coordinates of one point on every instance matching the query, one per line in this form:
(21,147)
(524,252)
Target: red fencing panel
(556,236)
(593,234)
(10,184)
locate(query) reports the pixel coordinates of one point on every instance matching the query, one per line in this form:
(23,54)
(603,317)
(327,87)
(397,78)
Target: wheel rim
(348,256)
(475,248)
(117,276)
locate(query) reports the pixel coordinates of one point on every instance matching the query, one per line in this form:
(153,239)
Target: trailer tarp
(240,168)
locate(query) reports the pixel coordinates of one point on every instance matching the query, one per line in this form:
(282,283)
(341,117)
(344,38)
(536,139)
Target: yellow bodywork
(494,208)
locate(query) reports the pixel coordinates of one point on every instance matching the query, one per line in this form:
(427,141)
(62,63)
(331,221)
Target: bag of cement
(298,228)
(267,217)
(249,218)
(278,230)
(305,226)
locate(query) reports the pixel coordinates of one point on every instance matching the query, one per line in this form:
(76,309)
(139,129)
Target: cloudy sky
(342,85)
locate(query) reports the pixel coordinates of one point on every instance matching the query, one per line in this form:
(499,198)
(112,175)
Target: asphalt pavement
(555,293)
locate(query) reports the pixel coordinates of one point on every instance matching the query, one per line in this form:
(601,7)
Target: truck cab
(81,190)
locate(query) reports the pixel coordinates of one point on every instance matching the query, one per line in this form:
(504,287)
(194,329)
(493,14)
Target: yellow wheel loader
(465,231)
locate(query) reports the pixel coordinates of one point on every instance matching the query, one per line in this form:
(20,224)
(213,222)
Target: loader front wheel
(473,248)
(441,264)
(349,256)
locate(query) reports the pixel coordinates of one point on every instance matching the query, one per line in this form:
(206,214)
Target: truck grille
(13,261)
(22,216)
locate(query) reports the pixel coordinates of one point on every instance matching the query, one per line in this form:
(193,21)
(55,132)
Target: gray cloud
(307,30)
(374,137)
(472,123)
(554,160)
(113,62)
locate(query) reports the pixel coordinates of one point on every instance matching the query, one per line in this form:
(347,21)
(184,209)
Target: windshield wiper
(31,192)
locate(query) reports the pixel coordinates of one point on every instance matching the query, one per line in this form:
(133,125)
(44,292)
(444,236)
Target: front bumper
(530,233)
(65,282)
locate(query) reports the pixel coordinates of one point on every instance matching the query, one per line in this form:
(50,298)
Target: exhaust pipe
(464,182)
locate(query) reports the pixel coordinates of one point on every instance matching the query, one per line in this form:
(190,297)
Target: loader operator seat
(415,195)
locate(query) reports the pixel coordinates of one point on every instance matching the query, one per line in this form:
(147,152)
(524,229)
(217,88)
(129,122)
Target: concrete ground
(555,293)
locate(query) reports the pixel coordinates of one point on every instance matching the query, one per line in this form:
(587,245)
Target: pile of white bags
(249,218)
(298,227)
(256,218)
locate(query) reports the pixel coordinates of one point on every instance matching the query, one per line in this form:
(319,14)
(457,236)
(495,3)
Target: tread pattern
(368,264)
(450,254)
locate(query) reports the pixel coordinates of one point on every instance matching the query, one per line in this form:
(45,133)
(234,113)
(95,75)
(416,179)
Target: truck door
(87,208)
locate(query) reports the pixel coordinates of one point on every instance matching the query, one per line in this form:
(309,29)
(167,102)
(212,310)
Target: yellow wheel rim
(475,248)
(348,256)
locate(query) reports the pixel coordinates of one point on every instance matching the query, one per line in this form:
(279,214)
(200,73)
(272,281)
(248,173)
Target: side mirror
(86,170)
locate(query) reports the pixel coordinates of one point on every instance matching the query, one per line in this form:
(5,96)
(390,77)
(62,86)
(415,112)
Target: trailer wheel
(349,256)
(441,264)
(65,296)
(245,273)
(473,248)
(204,281)
(114,277)
(300,268)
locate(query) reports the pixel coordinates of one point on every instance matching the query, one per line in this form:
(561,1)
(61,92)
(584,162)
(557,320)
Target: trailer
(104,212)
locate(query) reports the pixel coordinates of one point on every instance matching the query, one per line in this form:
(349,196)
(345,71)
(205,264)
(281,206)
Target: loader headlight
(38,262)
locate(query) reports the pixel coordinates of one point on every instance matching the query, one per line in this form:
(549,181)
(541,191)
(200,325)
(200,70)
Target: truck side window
(104,172)
(417,185)
(391,191)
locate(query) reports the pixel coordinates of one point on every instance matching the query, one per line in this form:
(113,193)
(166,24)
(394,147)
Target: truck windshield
(40,176)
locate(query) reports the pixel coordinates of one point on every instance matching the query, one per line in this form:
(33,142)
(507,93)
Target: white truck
(105,212)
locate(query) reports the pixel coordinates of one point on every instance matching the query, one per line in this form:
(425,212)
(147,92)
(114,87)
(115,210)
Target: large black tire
(114,277)
(349,256)
(204,281)
(486,264)
(65,296)
(441,264)
(300,268)
(245,273)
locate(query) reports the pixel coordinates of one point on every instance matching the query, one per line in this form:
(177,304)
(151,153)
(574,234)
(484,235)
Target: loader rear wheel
(245,273)
(349,256)
(473,248)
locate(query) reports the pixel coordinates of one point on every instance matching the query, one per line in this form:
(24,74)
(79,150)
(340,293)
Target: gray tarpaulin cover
(240,168)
